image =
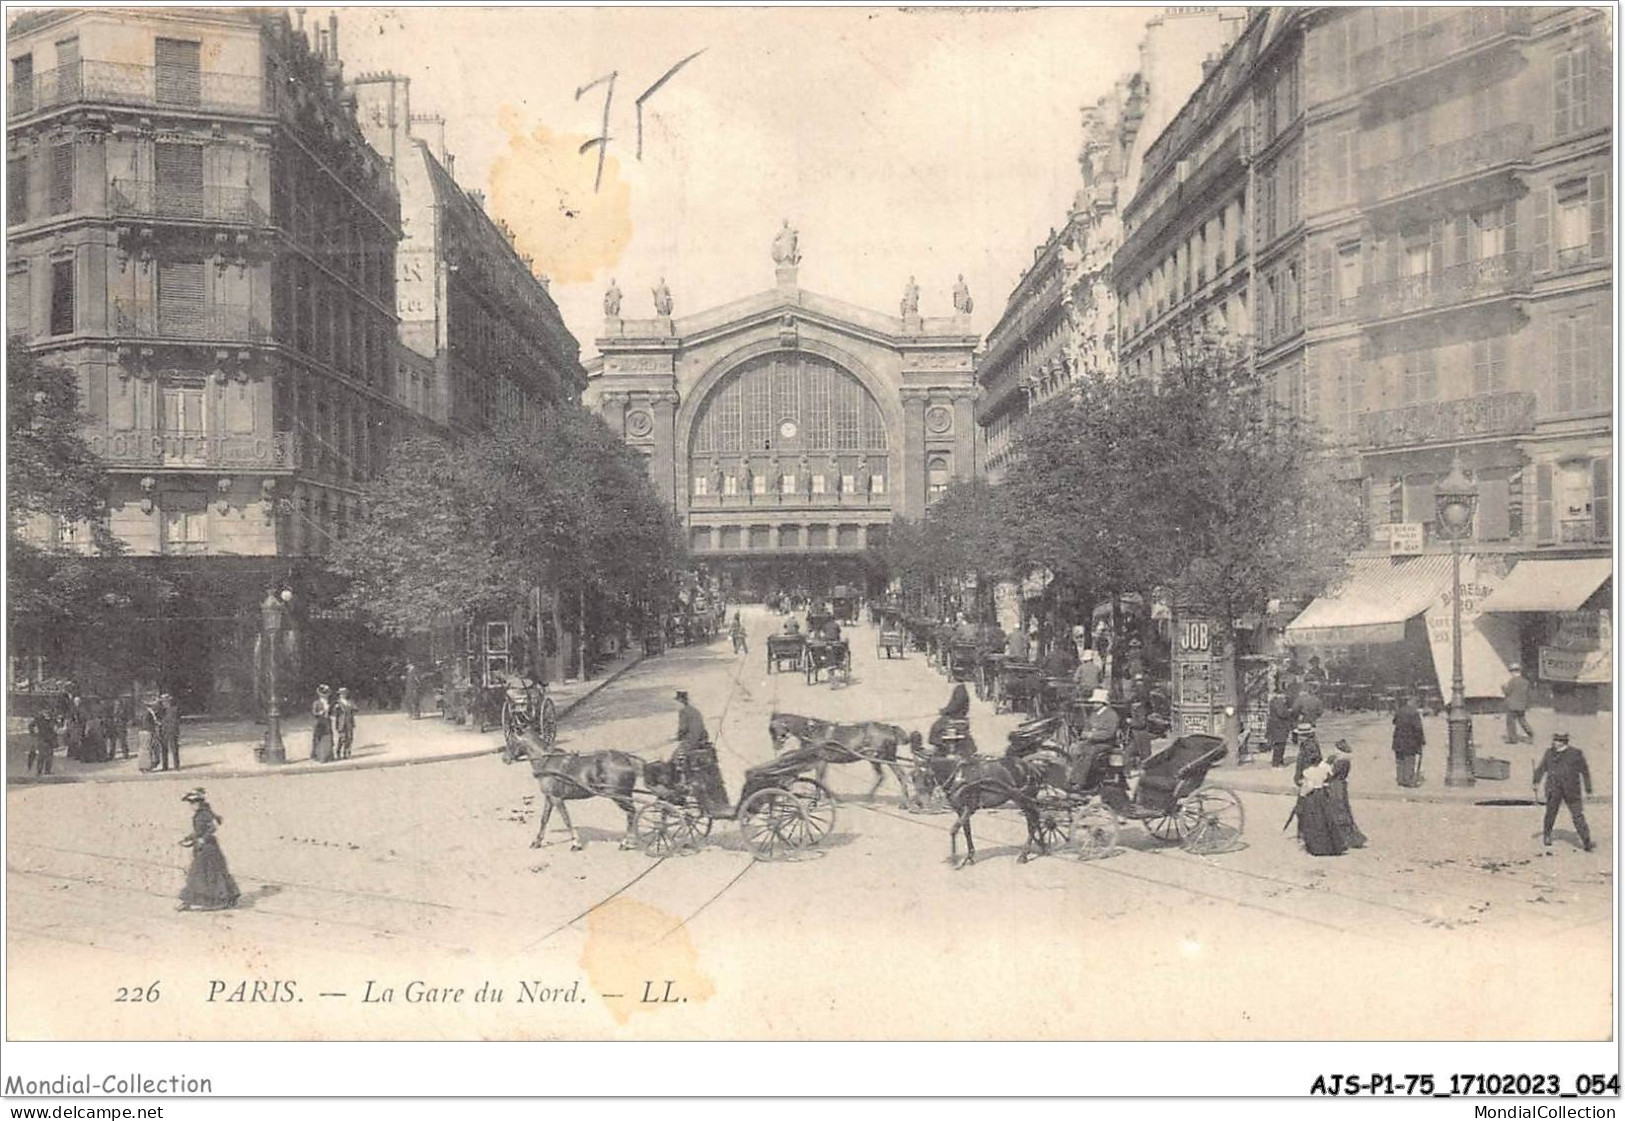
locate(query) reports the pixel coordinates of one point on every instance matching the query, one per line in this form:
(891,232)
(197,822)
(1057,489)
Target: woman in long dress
(1317,827)
(209,886)
(321,732)
(1337,787)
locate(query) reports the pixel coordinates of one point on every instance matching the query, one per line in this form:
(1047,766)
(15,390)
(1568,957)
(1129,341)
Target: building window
(1573,223)
(758,484)
(19,301)
(61,178)
(1492,521)
(1570,90)
(179,72)
(937,477)
(16,190)
(702,486)
(818,484)
(1419,501)
(1348,274)
(1494,232)
(1575,383)
(877,484)
(62,297)
(180,178)
(1419,377)
(185,525)
(1350,390)
(180,298)
(22,84)
(1490,365)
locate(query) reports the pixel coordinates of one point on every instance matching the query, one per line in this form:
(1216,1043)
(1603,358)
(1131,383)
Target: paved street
(1443,927)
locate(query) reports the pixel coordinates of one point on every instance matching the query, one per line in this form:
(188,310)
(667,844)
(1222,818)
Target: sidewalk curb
(305,767)
(1481,792)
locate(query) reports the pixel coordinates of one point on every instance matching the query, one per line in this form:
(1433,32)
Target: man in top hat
(1564,768)
(343,724)
(696,760)
(1516,692)
(950,732)
(691,731)
(171,718)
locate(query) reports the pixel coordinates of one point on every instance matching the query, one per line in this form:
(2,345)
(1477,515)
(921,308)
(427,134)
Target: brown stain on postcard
(543,188)
(640,959)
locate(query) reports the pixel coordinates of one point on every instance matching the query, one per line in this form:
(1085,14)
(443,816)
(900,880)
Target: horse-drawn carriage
(781,811)
(843,604)
(963,662)
(654,640)
(785,652)
(1015,685)
(833,655)
(527,712)
(892,636)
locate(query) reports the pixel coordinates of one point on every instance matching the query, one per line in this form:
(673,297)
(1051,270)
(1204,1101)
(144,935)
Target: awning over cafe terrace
(1550,585)
(1373,604)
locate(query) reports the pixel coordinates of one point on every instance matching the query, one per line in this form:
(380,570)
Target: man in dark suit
(171,719)
(1564,768)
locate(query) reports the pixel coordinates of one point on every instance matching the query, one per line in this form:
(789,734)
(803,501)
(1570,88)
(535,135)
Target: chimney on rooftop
(333,35)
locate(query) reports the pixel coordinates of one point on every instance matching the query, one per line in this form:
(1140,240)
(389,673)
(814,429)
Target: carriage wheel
(511,748)
(663,829)
(1168,828)
(1054,831)
(1217,819)
(818,803)
(772,822)
(548,725)
(1094,833)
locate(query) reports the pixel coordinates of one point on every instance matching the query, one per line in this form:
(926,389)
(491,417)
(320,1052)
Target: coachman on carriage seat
(695,760)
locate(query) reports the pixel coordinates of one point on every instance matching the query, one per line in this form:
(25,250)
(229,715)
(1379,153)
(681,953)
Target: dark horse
(977,783)
(566,776)
(868,742)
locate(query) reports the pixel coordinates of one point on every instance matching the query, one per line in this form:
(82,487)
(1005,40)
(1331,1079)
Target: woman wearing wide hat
(209,886)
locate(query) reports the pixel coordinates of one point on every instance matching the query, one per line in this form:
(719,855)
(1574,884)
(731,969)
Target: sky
(926,142)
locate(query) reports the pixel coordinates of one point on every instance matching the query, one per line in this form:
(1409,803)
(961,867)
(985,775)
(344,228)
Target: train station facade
(788,429)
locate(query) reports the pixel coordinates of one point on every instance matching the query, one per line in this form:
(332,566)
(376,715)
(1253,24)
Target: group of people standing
(332,736)
(98,731)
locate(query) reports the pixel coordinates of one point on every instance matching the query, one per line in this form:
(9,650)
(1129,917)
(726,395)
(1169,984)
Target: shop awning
(1373,603)
(1550,585)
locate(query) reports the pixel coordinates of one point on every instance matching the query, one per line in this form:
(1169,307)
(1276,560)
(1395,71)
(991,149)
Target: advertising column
(1203,686)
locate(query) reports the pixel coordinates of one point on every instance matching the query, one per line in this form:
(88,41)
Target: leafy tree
(54,477)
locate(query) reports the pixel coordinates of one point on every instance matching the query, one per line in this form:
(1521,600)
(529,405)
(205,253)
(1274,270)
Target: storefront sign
(1580,667)
(1406,539)
(1489,642)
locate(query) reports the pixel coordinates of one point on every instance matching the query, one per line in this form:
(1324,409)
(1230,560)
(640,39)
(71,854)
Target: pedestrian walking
(171,717)
(344,711)
(42,743)
(1565,771)
(737,633)
(118,728)
(1337,790)
(1309,708)
(411,691)
(1516,692)
(1308,750)
(209,886)
(152,730)
(321,732)
(1317,827)
(1408,741)
(1278,725)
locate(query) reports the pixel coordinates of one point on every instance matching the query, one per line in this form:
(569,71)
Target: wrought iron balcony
(776,501)
(1441,163)
(119,83)
(1443,422)
(146,199)
(1507,274)
(201,322)
(148,447)
(1426,47)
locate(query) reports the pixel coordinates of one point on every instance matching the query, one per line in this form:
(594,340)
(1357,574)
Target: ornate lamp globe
(1456,495)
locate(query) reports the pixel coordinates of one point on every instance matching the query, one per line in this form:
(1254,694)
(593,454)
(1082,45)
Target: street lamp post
(1457,497)
(271,614)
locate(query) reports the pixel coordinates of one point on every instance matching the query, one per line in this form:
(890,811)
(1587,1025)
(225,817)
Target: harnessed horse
(869,741)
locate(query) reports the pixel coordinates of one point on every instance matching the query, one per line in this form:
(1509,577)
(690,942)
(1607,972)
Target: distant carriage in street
(527,712)
(892,636)
(833,656)
(785,652)
(843,602)
(1016,686)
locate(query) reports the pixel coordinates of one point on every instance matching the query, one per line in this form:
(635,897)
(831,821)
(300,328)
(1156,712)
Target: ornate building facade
(197,229)
(788,428)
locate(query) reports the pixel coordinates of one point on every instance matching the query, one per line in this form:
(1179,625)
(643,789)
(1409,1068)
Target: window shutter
(1562,66)
(1597,188)
(1541,251)
(1601,469)
(1601,110)
(1545,522)
(61,178)
(1509,222)
(180,297)
(1463,249)
(16,190)
(180,178)
(62,297)
(1436,246)
(19,304)
(178,72)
